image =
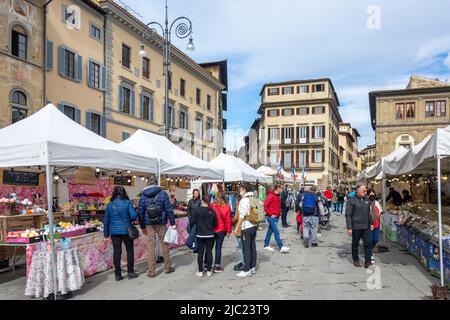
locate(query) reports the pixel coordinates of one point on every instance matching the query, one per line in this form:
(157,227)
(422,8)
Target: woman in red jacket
(223,213)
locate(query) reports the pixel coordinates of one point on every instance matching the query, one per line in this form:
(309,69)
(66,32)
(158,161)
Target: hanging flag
(280,167)
(294,175)
(304,173)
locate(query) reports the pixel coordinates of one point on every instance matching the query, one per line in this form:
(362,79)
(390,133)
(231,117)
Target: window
(95,123)
(182,87)
(126,56)
(19,106)
(69,111)
(95,32)
(303,132)
(318,87)
(147,107)
(303,89)
(69,61)
(406,145)
(183,120)
(198,94)
(319,132)
(126,100)
(302,159)
(146,67)
(288,135)
(208,102)
(19,41)
(273,157)
(400,110)
(435,109)
(208,133)
(318,110)
(287,159)
(71,17)
(94,74)
(273,91)
(317,156)
(170,116)
(125,135)
(198,127)
(288,112)
(273,113)
(410,110)
(274,134)
(287,90)
(302,111)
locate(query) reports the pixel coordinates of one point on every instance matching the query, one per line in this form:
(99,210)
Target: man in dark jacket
(395,196)
(154,198)
(284,196)
(359,224)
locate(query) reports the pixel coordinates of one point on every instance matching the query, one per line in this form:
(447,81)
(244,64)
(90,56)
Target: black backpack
(154,214)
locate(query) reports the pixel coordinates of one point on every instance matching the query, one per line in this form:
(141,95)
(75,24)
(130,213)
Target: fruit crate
(91,230)
(19,223)
(23,240)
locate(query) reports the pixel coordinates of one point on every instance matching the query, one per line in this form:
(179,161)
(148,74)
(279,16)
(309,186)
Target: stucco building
(405,117)
(300,126)
(348,154)
(368,156)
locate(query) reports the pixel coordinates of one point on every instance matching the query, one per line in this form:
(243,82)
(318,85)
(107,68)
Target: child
(299,224)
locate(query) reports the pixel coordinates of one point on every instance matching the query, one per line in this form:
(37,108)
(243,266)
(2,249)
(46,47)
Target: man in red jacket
(272,206)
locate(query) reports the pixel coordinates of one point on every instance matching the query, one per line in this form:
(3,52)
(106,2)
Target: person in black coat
(195,202)
(395,196)
(206,220)
(406,196)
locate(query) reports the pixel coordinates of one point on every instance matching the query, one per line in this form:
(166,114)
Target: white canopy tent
(49,138)
(267,171)
(237,170)
(172,159)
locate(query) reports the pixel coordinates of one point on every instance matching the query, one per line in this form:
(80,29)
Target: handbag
(133,232)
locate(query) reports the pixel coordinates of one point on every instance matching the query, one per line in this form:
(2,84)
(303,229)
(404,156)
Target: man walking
(154,210)
(308,204)
(284,196)
(359,224)
(272,206)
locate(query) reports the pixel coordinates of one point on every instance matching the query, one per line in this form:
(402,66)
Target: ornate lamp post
(183,29)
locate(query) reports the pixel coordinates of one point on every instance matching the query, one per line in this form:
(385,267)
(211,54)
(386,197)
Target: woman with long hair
(195,202)
(119,215)
(223,228)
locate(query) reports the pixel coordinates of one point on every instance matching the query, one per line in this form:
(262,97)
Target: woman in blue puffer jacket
(119,215)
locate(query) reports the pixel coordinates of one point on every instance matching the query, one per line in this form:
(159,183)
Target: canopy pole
(384,204)
(159,172)
(48,175)
(441,257)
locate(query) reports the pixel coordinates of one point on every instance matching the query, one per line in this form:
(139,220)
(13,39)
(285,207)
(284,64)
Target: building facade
(300,125)
(368,156)
(348,154)
(84,57)
(405,117)
(21,59)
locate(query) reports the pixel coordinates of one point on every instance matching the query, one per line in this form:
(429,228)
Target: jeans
(339,206)
(117,248)
(284,213)
(273,228)
(334,206)
(310,227)
(218,240)
(205,253)
(249,245)
(192,239)
(241,250)
(375,236)
(356,237)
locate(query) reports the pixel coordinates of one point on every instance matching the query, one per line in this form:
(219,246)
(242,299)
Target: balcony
(316,166)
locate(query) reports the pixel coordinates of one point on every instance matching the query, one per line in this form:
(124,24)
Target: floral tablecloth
(97,256)
(68,270)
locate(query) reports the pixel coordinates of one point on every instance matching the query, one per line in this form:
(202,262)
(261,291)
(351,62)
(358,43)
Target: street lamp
(183,29)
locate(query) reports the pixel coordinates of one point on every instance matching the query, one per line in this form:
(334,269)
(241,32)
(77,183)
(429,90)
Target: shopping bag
(171,236)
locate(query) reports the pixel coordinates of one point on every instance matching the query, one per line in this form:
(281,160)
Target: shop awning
(49,137)
(174,160)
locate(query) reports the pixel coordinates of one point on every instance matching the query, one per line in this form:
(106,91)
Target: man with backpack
(285,205)
(154,210)
(308,204)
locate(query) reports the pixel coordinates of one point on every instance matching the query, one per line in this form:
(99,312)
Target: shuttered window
(126,99)
(70,64)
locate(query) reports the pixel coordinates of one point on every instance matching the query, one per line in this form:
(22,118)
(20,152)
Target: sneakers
(119,277)
(306,243)
(238,267)
(170,270)
(199,274)
(269,248)
(244,274)
(253,270)
(132,275)
(218,270)
(373,259)
(209,273)
(284,249)
(314,245)
(319,235)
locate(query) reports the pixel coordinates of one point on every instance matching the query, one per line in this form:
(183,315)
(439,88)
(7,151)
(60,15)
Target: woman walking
(119,215)
(223,228)
(206,220)
(340,200)
(195,202)
(248,232)
(376,212)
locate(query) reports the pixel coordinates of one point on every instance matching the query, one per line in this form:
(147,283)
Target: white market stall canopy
(267,171)
(237,170)
(49,137)
(173,159)
(386,166)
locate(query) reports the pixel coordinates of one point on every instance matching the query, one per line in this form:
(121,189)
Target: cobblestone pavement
(324,272)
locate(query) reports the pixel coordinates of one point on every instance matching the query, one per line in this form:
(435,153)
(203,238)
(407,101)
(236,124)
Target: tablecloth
(96,256)
(68,270)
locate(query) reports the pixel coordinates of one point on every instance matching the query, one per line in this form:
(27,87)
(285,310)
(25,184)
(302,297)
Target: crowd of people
(212,222)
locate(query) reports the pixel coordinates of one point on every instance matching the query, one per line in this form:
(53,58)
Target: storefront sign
(84,176)
(122,181)
(18,178)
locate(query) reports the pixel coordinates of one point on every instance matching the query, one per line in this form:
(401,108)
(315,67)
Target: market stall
(49,139)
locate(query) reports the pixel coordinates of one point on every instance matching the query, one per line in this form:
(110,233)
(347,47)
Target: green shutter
(62,63)
(49,58)
(78,68)
(120,98)
(132,102)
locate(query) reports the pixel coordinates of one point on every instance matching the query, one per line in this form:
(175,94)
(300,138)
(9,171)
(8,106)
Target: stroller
(325,213)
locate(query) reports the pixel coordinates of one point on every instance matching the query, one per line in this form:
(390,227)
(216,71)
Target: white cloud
(447,61)
(433,48)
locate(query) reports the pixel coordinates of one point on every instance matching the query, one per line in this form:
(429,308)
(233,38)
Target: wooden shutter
(151,109)
(90,73)
(282,159)
(313,132)
(103,126)
(141,105)
(297,159)
(49,58)
(120,98)
(88,120)
(278,113)
(323,155)
(282,135)
(78,116)
(292,89)
(78,68)
(172,121)
(307,158)
(297,134)
(132,102)
(323,132)
(282,90)
(62,63)
(104,76)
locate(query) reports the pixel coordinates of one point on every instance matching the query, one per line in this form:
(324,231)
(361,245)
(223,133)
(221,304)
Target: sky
(360,45)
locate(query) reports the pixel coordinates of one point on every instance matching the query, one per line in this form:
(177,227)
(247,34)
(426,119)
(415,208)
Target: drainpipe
(105,20)
(44,68)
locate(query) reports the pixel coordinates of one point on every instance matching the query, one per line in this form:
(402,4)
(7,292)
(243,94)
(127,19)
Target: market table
(97,256)
(69,273)
(14,246)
